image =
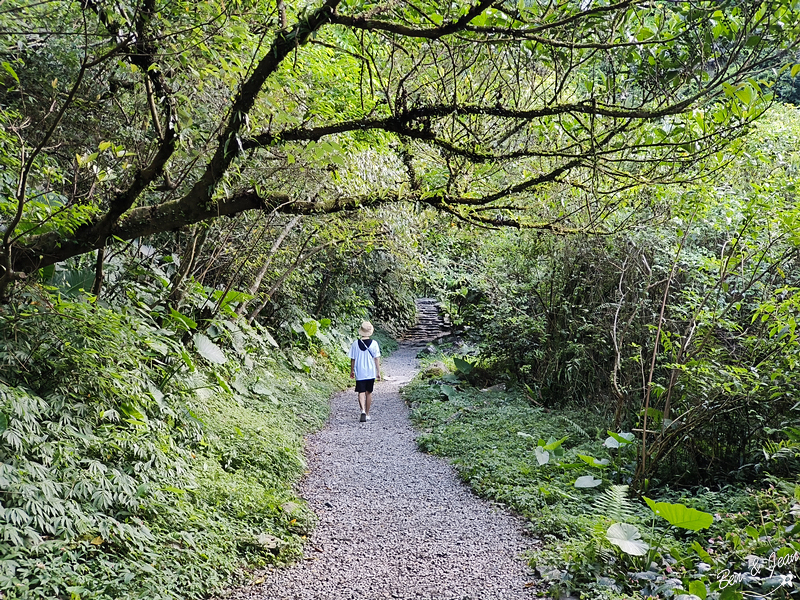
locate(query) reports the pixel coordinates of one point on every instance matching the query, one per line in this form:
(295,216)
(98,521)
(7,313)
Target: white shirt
(365,360)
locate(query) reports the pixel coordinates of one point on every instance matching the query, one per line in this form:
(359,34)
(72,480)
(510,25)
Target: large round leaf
(208,349)
(628,538)
(587,481)
(681,516)
(542,455)
(618,440)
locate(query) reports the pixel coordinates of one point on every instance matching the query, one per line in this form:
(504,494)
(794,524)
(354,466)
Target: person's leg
(363,402)
(367,401)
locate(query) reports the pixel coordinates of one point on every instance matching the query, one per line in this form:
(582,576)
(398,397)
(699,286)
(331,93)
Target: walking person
(365,367)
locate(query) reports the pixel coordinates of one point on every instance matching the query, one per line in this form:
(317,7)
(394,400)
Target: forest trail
(394,522)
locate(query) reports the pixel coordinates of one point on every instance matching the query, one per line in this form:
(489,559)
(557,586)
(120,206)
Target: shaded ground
(395,523)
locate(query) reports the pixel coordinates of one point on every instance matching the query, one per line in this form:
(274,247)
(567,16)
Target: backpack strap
(366,344)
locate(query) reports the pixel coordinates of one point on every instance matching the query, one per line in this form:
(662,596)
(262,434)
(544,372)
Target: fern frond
(614,504)
(574,426)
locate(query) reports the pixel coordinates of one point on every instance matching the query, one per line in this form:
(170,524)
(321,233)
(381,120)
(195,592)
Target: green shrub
(133,467)
(497,441)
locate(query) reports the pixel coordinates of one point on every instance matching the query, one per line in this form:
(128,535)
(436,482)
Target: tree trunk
(188,260)
(267,262)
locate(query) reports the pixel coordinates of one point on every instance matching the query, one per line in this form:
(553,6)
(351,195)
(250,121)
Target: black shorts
(365,385)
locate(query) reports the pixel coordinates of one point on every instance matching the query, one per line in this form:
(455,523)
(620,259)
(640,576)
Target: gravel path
(395,523)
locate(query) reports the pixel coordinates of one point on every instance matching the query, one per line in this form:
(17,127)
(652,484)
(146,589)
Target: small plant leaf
(731,593)
(553,443)
(187,359)
(542,455)
(462,365)
(680,515)
(627,538)
(449,391)
(269,338)
(208,349)
(618,440)
(701,552)
(133,412)
(592,461)
(182,320)
(311,327)
(222,383)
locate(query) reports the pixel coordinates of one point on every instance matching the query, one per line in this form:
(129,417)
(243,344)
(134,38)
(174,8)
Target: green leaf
(449,391)
(591,461)
(681,516)
(587,481)
(208,349)
(187,359)
(553,443)
(730,593)
(269,338)
(746,94)
(9,69)
(618,440)
(701,552)
(542,455)
(47,272)
(222,383)
(134,413)
(230,297)
(183,320)
(158,346)
(3,422)
(698,588)
(462,365)
(627,538)
(311,327)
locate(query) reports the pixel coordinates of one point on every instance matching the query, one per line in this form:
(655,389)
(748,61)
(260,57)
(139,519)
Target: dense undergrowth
(561,471)
(142,459)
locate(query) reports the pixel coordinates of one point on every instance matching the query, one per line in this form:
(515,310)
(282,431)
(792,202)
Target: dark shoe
(363,417)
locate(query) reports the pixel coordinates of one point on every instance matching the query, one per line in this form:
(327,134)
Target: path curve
(394,522)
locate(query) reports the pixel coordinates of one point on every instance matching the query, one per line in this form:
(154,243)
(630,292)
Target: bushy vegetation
(564,473)
(134,466)
(659,361)
(160,364)
(684,326)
